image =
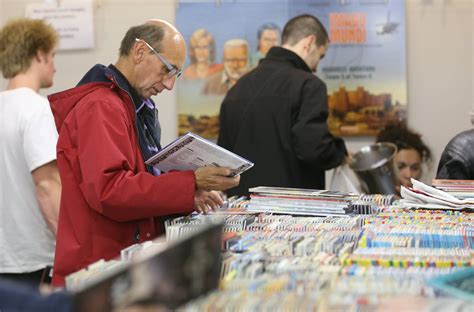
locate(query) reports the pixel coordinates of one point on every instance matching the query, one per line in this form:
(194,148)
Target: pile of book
(296,201)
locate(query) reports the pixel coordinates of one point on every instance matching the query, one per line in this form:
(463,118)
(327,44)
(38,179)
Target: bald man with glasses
(107,128)
(171,69)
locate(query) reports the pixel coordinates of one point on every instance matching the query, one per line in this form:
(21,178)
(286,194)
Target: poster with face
(224,41)
(364,67)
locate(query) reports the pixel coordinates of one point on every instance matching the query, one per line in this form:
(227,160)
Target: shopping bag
(344,180)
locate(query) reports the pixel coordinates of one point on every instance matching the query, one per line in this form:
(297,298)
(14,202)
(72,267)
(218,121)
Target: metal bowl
(373,166)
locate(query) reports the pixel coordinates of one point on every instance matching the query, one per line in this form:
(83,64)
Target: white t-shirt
(28,140)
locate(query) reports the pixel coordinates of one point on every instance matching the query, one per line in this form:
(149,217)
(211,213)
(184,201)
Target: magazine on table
(281,191)
(190,152)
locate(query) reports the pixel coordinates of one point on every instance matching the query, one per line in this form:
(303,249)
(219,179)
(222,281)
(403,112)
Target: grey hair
(152,34)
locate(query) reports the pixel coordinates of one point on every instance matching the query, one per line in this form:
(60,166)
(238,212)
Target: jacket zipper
(136,235)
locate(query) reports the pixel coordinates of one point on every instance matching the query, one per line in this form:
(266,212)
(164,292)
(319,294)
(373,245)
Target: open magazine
(190,152)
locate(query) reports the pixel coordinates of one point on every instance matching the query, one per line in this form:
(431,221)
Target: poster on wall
(364,67)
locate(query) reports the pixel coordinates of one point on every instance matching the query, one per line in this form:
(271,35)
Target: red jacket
(108,198)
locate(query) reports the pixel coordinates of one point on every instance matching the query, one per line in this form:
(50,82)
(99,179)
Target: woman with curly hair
(412,151)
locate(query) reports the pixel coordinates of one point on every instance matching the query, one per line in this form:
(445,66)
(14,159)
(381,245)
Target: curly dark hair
(399,134)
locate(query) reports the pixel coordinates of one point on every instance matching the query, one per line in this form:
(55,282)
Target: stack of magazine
(462,189)
(300,201)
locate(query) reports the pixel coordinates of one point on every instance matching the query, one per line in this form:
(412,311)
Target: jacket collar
(282,54)
(123,82)
(102,73)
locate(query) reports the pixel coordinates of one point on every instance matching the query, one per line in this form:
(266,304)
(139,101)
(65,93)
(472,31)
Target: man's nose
(168,82)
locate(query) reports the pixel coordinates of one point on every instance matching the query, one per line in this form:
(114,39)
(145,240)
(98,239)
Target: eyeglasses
(172,70)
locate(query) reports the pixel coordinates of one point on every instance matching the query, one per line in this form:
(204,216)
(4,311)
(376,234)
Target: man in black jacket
(276,115)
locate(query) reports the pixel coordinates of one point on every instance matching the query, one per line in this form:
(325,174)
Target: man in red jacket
(107,128)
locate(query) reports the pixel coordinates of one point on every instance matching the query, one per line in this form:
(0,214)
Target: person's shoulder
(216,76)
(96,97)
(190,72)
(313,80)
(466,134)
(106,94)
(26,97)
(296,73)
(215,67)
(462,139)
(22,92)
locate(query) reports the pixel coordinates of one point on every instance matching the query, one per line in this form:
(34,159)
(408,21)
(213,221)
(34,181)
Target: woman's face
(408,163)
(202,50)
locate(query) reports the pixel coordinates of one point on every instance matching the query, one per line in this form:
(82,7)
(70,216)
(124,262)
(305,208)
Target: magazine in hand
(191,152)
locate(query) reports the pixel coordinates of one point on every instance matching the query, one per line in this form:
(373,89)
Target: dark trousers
(33,279)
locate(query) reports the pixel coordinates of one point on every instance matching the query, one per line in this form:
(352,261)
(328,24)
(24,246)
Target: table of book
(293,250)
(351,262)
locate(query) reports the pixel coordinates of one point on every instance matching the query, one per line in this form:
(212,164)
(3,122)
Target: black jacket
(457,160)
(275,116)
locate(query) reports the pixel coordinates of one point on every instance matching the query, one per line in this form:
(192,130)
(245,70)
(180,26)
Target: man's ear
(309,41)
(138,52)
(40,56)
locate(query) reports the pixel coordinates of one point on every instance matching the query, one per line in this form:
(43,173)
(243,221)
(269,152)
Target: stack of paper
(299,201)
(424,196)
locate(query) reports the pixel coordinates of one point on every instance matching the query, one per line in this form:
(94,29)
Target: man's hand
(348,159)
(215,178)
(205,201)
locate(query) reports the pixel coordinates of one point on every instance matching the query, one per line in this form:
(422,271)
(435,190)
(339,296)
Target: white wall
(472,63)
(439,55)
(440,52)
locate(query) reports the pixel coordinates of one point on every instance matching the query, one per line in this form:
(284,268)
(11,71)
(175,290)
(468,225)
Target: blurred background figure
(268,36)
(236,52)
(202,54)
(457,159)
(19,297)
(412,152)
(29,179)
